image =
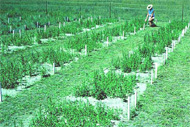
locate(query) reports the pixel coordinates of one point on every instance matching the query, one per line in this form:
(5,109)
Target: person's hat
(150,6)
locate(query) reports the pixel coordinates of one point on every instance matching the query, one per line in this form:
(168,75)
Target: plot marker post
(166,53)
(1,93)
(107,41)
(135,98)
(85,50)
(123,35)
(156,70)
(152,77)
(53,68)
(128,108)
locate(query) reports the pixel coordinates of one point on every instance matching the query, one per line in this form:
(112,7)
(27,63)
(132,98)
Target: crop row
(28,37)
(107,85)
(154,43)
(31,63)
(26,64)
(74,113)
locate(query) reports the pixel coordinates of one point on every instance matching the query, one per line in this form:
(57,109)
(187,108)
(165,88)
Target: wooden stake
(107,41)
(166,53)
(156,70)
(59,25)
(134,30)
(13,33)
(172,46)
(128,108)
(1,96)
(85,50)
(44,28)
(144,26)
(135,98)
(10,29)
(20,33)
(152,75)
(123,35)
(53,68)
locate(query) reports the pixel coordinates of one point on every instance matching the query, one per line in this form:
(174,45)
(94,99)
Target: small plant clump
(107,85)
(74,114)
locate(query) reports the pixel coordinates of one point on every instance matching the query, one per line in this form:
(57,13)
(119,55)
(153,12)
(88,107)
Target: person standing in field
(150,15)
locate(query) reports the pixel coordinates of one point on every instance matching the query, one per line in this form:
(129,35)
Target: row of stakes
(37,24)
(156,68)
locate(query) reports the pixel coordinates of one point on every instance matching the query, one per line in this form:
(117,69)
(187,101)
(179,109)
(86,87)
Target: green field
(76,62)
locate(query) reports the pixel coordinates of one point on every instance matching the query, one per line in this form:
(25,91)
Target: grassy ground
(167,102)
(23,106)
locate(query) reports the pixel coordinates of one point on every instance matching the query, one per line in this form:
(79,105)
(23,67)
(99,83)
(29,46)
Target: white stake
(79,20)
(53,68)
(179,39)
(13,33)
(1,94)
(144,26)
(44,28)
(156,70)
(119,19)
(85,50)
(39,28)
(10,29)
(128,108)
(123,35)
(134,30)
(166,53)
(169,21)
(20,18)
(135,98)
(172,46)
(152,75)
(156,21)
(63,23)
(49,23)
(8,20)
(91,19)
(59,25)
(25,27)
(107,41)
(37,24)
(20,33)
(99,17)
(39,16)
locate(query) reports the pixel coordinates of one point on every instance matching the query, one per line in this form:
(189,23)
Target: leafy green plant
(107,85)
(77,113)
